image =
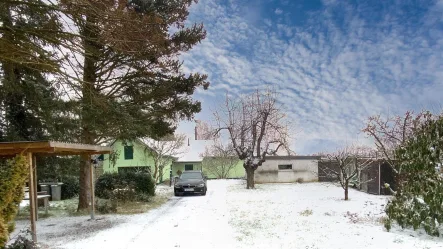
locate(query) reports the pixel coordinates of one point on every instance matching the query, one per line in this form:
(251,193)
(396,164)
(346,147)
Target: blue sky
(333,62)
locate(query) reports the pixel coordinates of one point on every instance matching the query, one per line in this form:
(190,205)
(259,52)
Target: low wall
(305,170)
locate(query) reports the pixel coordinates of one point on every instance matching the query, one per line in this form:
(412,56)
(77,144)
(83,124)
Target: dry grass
(141,207)
(306,212)
(68,207)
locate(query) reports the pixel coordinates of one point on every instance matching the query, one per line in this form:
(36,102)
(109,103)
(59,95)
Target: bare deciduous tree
(256,126)
(347,165)
(163,151)
(392,131)
(219,159)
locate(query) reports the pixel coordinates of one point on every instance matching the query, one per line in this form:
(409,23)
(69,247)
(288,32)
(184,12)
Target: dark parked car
(191,182)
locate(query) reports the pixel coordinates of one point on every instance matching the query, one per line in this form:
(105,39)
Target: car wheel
(204,193)
(175,193)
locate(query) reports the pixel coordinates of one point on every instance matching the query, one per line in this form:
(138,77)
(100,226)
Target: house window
(189,167)
(284,166)
(129,152)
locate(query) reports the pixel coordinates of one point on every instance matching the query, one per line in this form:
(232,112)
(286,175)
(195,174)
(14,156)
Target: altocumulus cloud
(333,65)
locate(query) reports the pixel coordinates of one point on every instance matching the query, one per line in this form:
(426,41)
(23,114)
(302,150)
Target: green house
(133,156)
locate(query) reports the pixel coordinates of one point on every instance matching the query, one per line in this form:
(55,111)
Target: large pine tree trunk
(87,117)
(85,188)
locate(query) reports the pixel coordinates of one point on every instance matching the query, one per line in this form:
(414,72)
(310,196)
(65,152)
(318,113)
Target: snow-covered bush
(126,186)
(418,202)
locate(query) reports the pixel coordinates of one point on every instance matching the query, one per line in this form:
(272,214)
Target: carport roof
(50,147)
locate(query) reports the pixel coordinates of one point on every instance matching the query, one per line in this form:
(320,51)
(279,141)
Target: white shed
(288,169)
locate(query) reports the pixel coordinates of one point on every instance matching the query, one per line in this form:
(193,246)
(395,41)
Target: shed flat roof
(293,157)
(51,147)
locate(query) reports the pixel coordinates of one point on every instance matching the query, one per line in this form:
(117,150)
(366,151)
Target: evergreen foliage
(418,202)
(125,186)
(13,176)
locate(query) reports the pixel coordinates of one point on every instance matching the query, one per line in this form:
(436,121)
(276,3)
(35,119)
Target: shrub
(13,176)
(105,184)
(143,197)
(70,187)
(126,194)
(125,186)
(300,180)
(22,242)
(106,206)
(11,226)
(417,202)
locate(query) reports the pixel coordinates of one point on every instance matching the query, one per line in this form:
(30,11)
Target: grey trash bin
(56,192)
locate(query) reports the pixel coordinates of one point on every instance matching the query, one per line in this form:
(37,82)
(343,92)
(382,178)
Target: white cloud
(278,11)
(331,77)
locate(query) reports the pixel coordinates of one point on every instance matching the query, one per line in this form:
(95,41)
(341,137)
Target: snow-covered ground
(309,215)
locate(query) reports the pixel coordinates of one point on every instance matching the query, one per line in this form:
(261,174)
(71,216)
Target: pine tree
(28,100)
(130,83)
(418,202)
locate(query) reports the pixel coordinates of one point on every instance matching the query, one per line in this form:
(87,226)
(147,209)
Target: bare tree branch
(163,152)
(347,164)
(256,128)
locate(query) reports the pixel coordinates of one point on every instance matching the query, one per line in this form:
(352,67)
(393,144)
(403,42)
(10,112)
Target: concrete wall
(304,168)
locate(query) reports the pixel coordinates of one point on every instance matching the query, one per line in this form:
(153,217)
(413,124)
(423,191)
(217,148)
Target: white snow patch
(310,215)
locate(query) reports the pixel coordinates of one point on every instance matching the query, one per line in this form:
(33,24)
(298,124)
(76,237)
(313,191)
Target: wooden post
(32,197)
(91,179)
(34,166)
(379,176)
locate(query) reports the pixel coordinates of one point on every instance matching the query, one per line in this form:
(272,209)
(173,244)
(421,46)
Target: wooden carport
(30,149)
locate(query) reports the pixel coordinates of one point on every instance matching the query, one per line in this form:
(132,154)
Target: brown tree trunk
(90,34)
(250,184)
(346,192)
(85,189)
(156,174)
(160,173)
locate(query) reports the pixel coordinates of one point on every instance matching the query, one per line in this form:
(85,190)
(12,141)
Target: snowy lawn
(63,224)
(309,215)
(314,215)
